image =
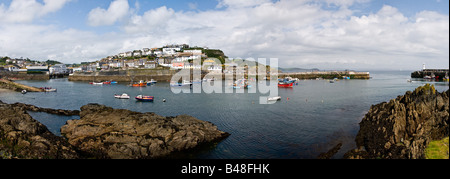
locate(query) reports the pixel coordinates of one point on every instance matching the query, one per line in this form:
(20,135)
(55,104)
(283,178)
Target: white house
(137,53)
(58,69)
(194,52)
(171,51)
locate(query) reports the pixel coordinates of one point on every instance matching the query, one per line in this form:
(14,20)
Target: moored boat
(123,96)
(50,90)
(96,83)
(285,85)
(151,82)
(140,84)
(144,98)
(276,98)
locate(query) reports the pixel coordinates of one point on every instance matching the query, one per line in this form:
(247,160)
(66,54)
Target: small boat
(107,82)
(144,98)
(113,82)
(276,98)
(285,85)
(140,84)
(96,83)
(151,82)
(332,81)
(427,77)
(24,91)
(50,90)
(123,96)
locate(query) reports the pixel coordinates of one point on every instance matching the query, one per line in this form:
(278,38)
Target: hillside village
(167,57)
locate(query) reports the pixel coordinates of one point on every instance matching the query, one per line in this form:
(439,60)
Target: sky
(324,34)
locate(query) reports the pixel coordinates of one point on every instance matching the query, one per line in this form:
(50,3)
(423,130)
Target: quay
(8,84)
(327,75)
(438,73)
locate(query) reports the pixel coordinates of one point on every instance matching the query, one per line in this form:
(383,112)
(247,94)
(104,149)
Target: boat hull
(145,99)
(285,85)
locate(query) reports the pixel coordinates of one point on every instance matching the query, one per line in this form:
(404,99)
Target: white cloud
(23,11)
(117,10)
(240,3)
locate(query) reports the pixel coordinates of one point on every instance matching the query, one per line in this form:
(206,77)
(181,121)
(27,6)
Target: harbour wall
(439,73)
(166,75)
(124,75)
(327,75)
(23,76)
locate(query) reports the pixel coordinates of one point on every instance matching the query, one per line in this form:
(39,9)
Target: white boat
(151,82)
(123,96)
(95,83)
(186,82)
(50,90)
(427,77)
(24,91)
(276,98)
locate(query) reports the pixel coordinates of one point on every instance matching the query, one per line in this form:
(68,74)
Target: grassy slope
(438,149)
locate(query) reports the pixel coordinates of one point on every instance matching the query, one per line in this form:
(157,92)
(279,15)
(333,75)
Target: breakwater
(438,73)
(166,75)
(7,84)
(327,75)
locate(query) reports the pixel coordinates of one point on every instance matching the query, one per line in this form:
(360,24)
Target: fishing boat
(285,85)
(276,98)
(123,96)
(144,98)
(286,82)
(140,84)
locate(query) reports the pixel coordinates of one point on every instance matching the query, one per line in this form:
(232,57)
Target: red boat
(285,85)
(144,98)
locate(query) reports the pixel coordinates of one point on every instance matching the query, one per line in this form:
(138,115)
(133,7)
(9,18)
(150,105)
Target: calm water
(316,117)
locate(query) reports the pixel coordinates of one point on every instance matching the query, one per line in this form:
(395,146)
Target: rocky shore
(403,127)
(101,133)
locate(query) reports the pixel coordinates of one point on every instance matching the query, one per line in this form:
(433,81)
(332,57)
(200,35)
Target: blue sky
(309,33)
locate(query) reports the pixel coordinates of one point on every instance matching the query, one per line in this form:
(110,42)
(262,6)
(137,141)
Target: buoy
(164,100)
(287,98)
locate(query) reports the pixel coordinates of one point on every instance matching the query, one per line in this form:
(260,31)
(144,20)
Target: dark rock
(104,132)
(33,108)
(403,127)
(23,137)
(330,153)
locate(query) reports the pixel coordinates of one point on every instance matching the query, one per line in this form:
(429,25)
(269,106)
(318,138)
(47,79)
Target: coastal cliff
(101,132)
(403,127)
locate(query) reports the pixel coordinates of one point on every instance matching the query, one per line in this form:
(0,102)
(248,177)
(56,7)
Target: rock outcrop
(403,127)
(23,137)
(104,132)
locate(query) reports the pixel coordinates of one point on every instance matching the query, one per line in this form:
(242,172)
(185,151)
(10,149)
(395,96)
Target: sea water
(310,118)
